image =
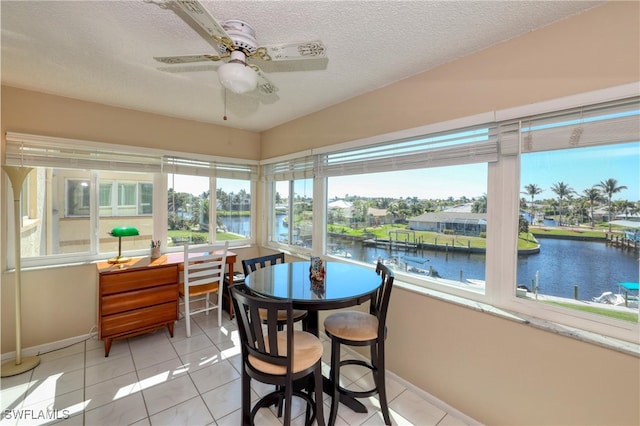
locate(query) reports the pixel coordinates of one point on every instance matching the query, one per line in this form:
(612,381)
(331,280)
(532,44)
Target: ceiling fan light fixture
(237,77)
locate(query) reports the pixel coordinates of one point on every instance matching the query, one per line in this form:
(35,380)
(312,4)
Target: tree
(480,205)
(610,187)
(532,190)
(562,190)
(592,196)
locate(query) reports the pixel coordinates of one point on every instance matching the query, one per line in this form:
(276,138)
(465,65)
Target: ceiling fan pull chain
(225,105)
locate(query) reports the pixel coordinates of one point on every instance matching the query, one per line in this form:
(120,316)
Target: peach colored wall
(594,50)
(32,112)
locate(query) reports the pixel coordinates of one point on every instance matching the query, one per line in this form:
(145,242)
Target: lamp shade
(237,77)
(124,231)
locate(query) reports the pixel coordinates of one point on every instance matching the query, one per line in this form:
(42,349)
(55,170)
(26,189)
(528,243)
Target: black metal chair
(277,357)
(355,328)
(250,265)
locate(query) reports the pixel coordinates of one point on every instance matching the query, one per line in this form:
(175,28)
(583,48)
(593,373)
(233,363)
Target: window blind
(46,151)
(607,123)
(463,146)
(291,169)
(211,168)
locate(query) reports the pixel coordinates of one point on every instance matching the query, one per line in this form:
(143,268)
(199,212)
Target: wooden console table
(141,296)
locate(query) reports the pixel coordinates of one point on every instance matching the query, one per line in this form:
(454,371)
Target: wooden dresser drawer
(127,322)
(128,280)
(121,302)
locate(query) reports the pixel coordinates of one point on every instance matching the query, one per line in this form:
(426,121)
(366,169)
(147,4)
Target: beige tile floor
(154,379)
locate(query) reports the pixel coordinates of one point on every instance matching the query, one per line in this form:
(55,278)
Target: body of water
(561,264)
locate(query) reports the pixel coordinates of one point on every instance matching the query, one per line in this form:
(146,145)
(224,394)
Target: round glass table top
(343,283)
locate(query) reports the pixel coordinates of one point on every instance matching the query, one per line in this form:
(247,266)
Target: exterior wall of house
(494,369)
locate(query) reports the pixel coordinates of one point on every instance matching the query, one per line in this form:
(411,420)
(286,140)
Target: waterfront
(593,266)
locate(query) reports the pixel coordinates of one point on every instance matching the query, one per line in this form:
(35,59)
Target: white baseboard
(47,347)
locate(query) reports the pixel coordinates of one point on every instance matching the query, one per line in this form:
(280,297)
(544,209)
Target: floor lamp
(19,365)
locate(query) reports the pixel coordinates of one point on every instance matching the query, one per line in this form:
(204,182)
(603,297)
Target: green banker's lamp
(123,231)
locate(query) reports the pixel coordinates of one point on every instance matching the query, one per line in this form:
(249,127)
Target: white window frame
(502,216)
(54,152)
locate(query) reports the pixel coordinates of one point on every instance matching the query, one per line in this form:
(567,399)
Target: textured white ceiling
(102,51)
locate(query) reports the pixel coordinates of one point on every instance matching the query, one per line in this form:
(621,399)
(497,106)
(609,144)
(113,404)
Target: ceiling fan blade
(291,51)
(264,85)
(202,17)
(185,59)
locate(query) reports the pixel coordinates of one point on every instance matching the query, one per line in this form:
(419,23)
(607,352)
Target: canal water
(561,264)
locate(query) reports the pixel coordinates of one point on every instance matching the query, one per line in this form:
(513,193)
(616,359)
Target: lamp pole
(19,365)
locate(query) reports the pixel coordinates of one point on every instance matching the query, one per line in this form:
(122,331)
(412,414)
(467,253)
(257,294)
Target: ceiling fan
(237,44)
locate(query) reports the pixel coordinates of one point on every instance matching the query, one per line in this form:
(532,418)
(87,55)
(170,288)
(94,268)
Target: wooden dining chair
(355,328)
(276,357)
(203,275)
(250,265)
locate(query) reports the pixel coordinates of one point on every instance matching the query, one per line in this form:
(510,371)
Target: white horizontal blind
(476,144)
(608,123)
(291,169)
(211,168)
(44,151)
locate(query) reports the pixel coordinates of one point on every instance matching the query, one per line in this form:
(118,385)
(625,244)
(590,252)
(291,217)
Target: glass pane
(426,222)
(77,197)
(581,209)
(301,227)
(234,207)
(280,216)
(122,210)
(188,208)
(58,221)
(127,199)
(106,199)
(145,204)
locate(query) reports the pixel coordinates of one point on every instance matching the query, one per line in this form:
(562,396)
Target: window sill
(622,346)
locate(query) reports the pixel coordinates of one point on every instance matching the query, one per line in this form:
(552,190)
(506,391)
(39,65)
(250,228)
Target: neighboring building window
(78,197)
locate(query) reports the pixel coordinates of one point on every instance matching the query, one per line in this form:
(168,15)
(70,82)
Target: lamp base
(10,368)
(118,259)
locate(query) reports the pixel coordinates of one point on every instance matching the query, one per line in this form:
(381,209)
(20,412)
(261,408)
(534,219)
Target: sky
(579,168)
(584,168)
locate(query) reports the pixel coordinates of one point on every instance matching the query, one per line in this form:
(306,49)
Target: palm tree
(610,187)
(480,204)
(592,195)
(562,190)
(532,190)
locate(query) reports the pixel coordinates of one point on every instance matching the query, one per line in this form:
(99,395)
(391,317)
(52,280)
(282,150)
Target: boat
(340,253)
(622,298)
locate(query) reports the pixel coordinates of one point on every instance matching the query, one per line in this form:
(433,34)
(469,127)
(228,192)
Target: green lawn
(384,231)
(625,316)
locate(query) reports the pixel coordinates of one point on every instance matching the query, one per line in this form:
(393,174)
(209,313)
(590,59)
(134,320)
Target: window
(291,185)
(78,191)
(188,207)
(292,219)
(581,206)
(426,223)
(452,207)
(418,204)
(233,210)
(196,185)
